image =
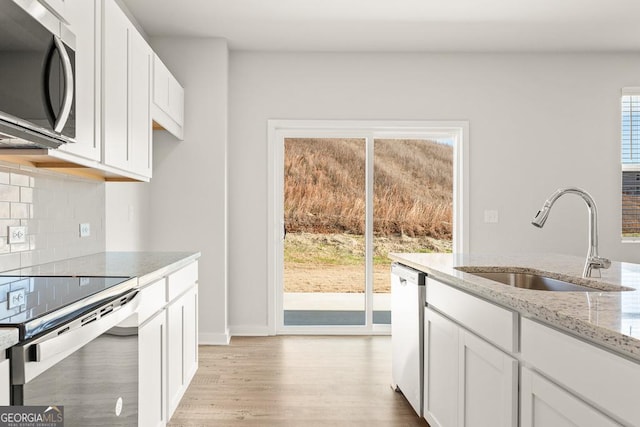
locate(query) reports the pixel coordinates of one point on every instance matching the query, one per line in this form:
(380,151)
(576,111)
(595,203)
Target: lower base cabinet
(544,404)
(168,344)
(152,365)
(182,341)
(468,381)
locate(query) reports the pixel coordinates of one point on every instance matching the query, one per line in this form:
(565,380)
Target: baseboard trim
(208,338)
(250,331)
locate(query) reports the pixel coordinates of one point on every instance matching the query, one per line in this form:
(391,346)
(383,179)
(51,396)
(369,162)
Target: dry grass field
(325,209)
(325,187)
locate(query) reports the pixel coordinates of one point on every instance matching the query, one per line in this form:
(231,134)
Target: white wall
(127,216)
(537,122)
(188,190)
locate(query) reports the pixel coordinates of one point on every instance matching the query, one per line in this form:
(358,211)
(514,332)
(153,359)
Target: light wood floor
(295,381)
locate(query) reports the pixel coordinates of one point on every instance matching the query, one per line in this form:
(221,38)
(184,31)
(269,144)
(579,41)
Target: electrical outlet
(17,298)
(85,229)
(491,216)
(17,235)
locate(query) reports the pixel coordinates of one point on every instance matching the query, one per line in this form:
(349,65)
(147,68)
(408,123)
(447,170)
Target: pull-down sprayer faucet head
(542,215)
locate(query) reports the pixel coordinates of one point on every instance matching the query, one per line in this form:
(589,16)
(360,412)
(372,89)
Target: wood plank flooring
(295,381)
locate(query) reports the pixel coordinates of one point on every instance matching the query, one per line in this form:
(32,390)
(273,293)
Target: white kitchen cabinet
(487,384)
(85,18)
(168,99)
(126,124)
(182,342)
(115,39)
(152,366)
(5,383)
(58,8)
(601,379)
(544,404)
(168,343)
(468,382)
(440,370)
(139,137)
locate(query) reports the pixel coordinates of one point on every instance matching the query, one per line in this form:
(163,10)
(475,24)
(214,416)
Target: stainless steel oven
(37,67)
(82,355)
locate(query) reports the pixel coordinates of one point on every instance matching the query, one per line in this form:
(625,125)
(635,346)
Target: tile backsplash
(52,206)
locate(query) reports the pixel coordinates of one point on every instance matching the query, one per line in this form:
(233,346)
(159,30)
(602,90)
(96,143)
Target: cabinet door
(488,384)
(85,18)
(441,345)
(58,8)
(182,342)
(160,84)
(139,105)
(544,404)
(5,383)
(176,100)
(115,77)
(152,393)
(175,362)
(190,333)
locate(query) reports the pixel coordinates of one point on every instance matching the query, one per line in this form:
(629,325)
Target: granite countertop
(8,338)
(608,316)
(146,266)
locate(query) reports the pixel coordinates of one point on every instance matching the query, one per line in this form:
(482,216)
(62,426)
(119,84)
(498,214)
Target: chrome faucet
(594,261)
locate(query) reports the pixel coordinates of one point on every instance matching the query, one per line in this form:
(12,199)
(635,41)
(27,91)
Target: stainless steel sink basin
(533,281)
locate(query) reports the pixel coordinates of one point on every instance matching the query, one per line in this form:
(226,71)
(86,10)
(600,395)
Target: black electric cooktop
(37,304)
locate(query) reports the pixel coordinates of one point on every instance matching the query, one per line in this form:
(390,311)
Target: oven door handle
(63,345)
(32,358)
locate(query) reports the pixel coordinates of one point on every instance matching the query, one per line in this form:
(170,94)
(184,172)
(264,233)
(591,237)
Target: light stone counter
(8,338)
(146,266)
(608,318)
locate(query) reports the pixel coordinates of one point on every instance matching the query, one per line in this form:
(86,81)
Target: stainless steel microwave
(37,67)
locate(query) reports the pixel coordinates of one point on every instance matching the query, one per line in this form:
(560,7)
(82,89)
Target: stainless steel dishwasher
(407,337)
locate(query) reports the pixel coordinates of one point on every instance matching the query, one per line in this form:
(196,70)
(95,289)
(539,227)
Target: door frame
(278,130)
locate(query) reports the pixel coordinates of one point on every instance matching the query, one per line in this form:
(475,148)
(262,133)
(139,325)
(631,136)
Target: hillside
(325,187)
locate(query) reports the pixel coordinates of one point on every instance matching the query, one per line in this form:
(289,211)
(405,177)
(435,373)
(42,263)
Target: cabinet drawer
(182,280)
(496,324)
(610,382)
(152,299)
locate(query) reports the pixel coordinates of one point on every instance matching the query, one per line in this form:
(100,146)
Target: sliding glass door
(344,200)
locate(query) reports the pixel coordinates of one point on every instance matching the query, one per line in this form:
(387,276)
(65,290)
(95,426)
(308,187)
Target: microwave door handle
(57,123)
(67,72)
(46,89)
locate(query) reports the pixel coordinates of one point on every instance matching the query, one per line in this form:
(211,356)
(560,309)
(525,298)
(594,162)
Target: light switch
(490,216)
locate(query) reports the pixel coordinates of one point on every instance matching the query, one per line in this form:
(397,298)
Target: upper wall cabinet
(58,8)
(168,100)
(84,16)
(126,95)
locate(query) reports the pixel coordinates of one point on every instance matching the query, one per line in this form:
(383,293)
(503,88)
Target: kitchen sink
(536,281)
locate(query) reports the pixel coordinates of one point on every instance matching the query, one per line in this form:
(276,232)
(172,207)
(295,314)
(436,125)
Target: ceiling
(400,25)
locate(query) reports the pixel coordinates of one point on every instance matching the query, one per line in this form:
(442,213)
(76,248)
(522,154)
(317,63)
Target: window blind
(630,144)
(631,129)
